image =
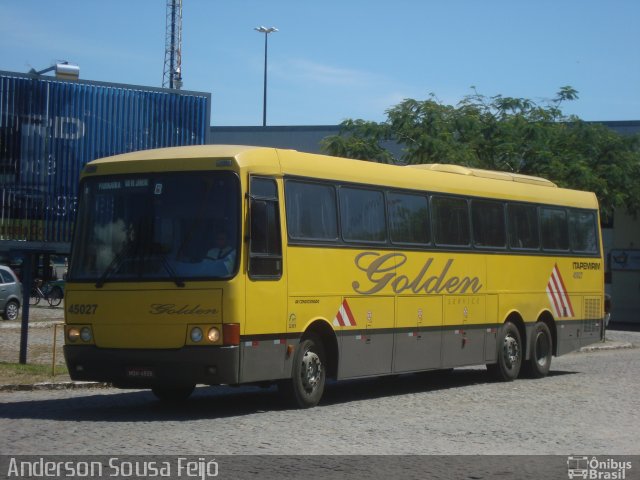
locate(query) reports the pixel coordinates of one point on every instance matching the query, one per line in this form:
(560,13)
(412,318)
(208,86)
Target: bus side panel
(418,334)
(491,332)
(568,335)
(526,305)
(368,349)
(584,328)
(593,313)
(365,341)
(263,358)
(579,329)
(463,338)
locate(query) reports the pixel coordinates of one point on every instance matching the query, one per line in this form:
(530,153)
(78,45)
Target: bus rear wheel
(539,361)
(507,368)
(308,375)
(172,394)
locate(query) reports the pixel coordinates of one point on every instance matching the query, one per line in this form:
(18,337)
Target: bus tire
(541,350)
(509,354)
(172,394)
(306,386)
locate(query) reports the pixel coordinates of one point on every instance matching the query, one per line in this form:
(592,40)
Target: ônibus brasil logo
(597,469)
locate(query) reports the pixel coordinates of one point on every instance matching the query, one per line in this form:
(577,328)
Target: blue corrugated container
(50,128)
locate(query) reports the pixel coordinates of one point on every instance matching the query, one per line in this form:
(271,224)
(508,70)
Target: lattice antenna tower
(172,76)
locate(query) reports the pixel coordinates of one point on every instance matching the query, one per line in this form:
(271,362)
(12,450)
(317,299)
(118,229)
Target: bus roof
(443,178)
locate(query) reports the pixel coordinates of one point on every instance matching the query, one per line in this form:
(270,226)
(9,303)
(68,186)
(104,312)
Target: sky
(338,59)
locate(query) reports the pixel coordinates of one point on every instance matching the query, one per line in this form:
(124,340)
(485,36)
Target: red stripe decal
(345,304)
(558,294)
(564,290)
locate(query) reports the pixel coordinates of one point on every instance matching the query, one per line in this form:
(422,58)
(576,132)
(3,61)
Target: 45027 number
(82,308)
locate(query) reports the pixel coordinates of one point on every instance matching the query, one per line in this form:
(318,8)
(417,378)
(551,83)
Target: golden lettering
(383,270)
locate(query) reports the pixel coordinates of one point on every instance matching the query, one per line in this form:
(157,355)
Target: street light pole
(266,32)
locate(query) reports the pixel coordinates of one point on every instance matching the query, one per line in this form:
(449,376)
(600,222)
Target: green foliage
(362,142)
(503,133)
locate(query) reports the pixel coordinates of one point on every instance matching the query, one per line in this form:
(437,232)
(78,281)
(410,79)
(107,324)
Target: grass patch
(16,373)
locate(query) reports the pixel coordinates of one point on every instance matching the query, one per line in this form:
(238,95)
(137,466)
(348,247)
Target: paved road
(589,405)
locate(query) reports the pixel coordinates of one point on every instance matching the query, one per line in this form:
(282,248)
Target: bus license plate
(140,372)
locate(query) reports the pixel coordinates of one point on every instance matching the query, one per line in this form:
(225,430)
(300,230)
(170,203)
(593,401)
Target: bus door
(263,351)
(418,333)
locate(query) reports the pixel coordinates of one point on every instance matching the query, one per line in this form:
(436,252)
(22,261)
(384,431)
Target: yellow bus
(248,265)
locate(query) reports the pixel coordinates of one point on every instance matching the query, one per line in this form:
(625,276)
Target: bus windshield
(158,226)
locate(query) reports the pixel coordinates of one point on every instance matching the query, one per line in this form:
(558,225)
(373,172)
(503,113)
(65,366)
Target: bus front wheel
(172,395)
(308,375)
(509,352)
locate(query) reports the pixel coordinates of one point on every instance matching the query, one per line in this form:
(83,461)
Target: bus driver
(223,253)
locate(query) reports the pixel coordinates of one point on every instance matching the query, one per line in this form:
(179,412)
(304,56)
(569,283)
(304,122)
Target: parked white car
(10,294)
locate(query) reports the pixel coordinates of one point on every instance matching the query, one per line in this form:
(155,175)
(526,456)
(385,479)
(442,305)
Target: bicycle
(52,294)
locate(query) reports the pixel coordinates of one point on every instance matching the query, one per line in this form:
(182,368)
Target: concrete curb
(606,346)
(40,324)
(30,387)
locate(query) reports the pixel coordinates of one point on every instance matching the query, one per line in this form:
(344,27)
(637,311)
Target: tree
(506,134)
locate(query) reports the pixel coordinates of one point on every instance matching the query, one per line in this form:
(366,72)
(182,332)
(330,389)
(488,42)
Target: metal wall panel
(49,129)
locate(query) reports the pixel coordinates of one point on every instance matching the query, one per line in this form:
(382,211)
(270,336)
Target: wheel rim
(12,311)
(311,371)
(542,349)
(511,351)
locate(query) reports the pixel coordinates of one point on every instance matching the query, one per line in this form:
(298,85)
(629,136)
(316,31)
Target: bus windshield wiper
(172,273)
(115,264)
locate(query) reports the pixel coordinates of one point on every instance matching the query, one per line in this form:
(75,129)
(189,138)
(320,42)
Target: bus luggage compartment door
(366,336)
(418,333)
(463,337)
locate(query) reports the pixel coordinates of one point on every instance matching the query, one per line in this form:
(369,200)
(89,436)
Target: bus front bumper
(146,368)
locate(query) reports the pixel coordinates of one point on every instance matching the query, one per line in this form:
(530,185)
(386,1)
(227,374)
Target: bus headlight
(73,334)
(213,334)
(196,334)
(85,334)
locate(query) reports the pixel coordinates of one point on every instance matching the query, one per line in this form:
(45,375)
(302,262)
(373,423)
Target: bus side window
(265,246)
(488,224)
(311,211)
(523,226)
(408,218)
(554,228)
(583,232)
(362,215)
(450,216)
